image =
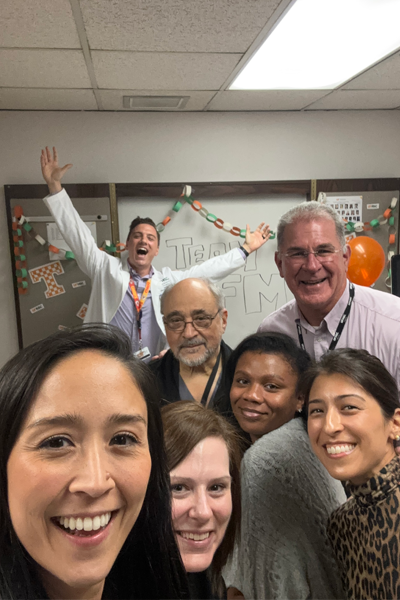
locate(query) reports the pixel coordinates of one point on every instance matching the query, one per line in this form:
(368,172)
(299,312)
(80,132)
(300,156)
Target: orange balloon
(367,260)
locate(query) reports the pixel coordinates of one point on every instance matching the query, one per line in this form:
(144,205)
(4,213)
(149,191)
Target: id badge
(142,353)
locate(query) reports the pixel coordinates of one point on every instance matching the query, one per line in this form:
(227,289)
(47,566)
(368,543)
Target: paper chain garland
(21,224)
(203,212)
(386,217)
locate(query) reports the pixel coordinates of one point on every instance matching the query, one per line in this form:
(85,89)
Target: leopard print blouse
(364,533)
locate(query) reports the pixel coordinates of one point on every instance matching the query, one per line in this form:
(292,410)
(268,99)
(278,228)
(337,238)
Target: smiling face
(201,502)
(263,393)
(142,246)
(187,300)
(347,429)
(317,286)
(79,470)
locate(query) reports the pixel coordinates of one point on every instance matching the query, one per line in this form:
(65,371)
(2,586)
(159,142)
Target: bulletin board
(57,290)
(376,197)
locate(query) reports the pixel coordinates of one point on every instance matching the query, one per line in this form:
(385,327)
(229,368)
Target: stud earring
(396,441)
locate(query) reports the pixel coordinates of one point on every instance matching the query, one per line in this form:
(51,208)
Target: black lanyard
(210,380)
(340,327)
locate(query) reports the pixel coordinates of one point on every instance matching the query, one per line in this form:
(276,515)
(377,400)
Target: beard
(197,360)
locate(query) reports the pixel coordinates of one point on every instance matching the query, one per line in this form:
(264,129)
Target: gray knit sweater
(287,497)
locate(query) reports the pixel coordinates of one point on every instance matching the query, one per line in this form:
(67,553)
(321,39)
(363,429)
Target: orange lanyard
(139,303)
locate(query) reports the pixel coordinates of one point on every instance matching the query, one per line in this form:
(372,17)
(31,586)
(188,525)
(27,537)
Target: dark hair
(186,423)
(269,343)
(143,221)
(364,369)
(148,565)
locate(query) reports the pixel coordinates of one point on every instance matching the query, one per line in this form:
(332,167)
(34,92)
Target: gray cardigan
(287,497)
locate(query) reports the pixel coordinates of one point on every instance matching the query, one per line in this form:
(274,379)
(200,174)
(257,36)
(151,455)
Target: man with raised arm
(126,291)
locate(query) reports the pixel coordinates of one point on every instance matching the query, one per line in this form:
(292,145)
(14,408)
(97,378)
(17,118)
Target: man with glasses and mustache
(328,311)
(195,320)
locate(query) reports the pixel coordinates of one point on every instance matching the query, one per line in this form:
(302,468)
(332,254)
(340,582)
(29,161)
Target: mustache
(192,342)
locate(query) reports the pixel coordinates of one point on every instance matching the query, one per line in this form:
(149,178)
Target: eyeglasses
(324,255)
(199,322)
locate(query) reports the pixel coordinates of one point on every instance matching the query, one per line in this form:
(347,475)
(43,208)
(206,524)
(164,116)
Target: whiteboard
(253,291)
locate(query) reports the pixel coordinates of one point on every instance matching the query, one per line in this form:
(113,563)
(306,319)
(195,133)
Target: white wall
(156,147)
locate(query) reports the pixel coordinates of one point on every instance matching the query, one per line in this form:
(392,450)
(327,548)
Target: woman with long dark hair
(84,492)
(354,426)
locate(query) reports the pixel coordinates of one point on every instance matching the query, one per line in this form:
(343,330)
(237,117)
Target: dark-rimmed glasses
(200,322)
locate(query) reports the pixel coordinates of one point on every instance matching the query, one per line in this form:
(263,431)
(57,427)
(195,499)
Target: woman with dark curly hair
(287,496)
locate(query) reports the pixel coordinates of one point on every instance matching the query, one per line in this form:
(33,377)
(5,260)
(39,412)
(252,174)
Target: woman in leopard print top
(353,421)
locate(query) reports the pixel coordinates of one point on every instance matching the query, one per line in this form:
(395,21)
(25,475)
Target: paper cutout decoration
(47,272)
(37,308)
(82,311)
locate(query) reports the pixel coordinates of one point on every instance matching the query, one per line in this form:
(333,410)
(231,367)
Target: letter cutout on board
(47,272)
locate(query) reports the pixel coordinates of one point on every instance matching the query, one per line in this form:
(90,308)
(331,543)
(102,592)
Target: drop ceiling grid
(150,47)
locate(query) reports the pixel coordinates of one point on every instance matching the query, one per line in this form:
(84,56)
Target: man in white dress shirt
(126,292)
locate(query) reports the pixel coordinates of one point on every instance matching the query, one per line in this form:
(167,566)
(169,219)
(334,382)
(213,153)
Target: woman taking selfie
(353,424)
(203,454)
(287,496)
(84,491)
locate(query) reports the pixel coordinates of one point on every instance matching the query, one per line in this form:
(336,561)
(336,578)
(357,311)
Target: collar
(133,273)
(331,321)
(379,486)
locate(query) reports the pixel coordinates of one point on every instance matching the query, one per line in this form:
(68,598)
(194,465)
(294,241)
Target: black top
(200,586)
(166,371)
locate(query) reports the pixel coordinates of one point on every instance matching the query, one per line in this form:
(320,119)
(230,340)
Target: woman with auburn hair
(354,426)
(287,496)
(84,492)
(203,455)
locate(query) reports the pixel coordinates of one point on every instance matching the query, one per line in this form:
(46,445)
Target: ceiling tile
(159,71)
(384,76)
(43,68)
(175,25)
(358,100)
(265,99)
(37,24)
(112,99)
(46,99)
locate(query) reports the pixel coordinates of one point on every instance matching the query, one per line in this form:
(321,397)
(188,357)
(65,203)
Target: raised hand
(257,238)
(51,171)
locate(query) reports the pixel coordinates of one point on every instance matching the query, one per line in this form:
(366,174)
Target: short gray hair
(214,289)
(308,211)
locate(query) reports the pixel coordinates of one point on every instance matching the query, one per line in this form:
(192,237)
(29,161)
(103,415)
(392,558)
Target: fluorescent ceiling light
(319,44)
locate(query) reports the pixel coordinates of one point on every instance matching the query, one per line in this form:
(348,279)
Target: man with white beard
(195,319)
